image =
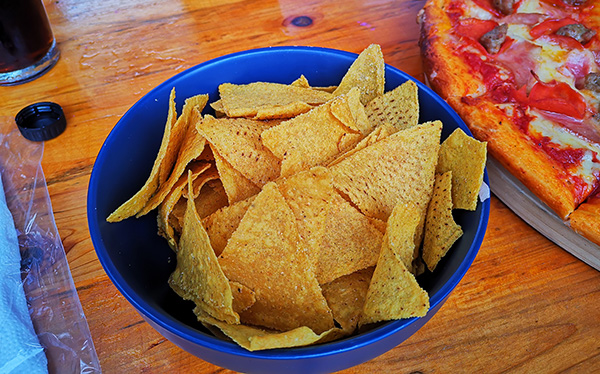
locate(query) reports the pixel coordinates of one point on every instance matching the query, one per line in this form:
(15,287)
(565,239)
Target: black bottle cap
(41,121)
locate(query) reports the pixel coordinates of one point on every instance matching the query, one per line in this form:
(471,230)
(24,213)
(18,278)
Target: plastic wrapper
(58,319)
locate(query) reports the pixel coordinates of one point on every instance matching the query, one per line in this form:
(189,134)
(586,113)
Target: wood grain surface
(524,306)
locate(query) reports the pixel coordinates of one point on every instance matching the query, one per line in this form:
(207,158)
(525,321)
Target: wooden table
(525,305)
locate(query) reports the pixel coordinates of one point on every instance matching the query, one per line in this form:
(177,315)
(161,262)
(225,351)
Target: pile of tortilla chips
(299,214)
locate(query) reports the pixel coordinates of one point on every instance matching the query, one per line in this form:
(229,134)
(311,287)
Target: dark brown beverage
(25,34)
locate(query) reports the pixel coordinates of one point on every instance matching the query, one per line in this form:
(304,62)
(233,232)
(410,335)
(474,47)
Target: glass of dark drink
(27,45)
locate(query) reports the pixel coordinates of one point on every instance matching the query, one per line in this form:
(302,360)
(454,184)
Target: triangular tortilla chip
(351,112)
(398,109)
(262,100)
(167,153)
(237,186)
(309,193)
(323,138)
(165,228)
(243,297)
(441,231)
(376,135)
(221,224)
(367,73)
(346,297)
(403,229)
(465,157)
(375,178)
(255,338)
(211,198)
(198,276)
(263,254)
(350,243)
(394,292)
(238,140)
(191,148)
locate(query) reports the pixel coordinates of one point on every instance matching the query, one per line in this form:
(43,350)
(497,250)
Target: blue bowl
(139,262)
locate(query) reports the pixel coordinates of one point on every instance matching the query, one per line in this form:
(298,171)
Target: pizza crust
(585,220)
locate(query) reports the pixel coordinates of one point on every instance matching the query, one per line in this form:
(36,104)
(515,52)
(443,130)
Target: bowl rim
(211,342)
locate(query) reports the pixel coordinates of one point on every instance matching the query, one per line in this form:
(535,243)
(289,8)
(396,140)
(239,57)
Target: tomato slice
(550,26)
(557,97)
(475,28)
(487,5)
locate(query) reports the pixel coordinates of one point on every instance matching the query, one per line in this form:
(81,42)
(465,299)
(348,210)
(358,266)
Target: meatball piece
(577,31)
(592,82)
(492,40)
(504,6)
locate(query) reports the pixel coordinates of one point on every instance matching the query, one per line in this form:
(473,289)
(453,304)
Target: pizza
(525,77)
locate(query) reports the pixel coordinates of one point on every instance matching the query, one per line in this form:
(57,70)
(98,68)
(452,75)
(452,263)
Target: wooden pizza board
(527,206)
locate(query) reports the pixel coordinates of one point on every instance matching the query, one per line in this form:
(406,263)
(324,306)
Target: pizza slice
(525,77)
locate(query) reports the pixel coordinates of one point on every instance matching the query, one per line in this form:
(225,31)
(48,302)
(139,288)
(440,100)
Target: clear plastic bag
(54,307)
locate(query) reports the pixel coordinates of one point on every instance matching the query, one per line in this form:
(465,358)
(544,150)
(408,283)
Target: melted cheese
(565,138)
(530,6)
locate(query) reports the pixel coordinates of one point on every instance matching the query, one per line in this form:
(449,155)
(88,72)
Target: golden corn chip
(367,73)
(301,82)
(256,338)
(401,232)
(165,227)
(221,224)
(441,231)
(376,135)
(309,193)
(465,157)
(350,243)
(237,187)
(400,166)
(218,108)
(211,198)
(351,113)
(191,148)
(169,145)
(198,276)
(238,141)
(243,297)
(346,297)
(398,109)
(393,292)
(322,138)
(261,100)
(263,255)
(199,182)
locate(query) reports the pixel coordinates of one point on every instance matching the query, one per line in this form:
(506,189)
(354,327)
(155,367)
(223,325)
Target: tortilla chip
(351,112)
(221,224)
(346,297)
(198,276)
(465,157)
(191,148)
(376,135)
(243,297)
(323,138)
(403,229)
(309,193)
(255,338)
(238,140)
(441,231)
(218,108)
(398,109)
(165,209)
(367,73)
(394,292)
(237,187)
(350,243)
(211,198)
(375,178)
(263,254)
(169,146)
(261,100)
